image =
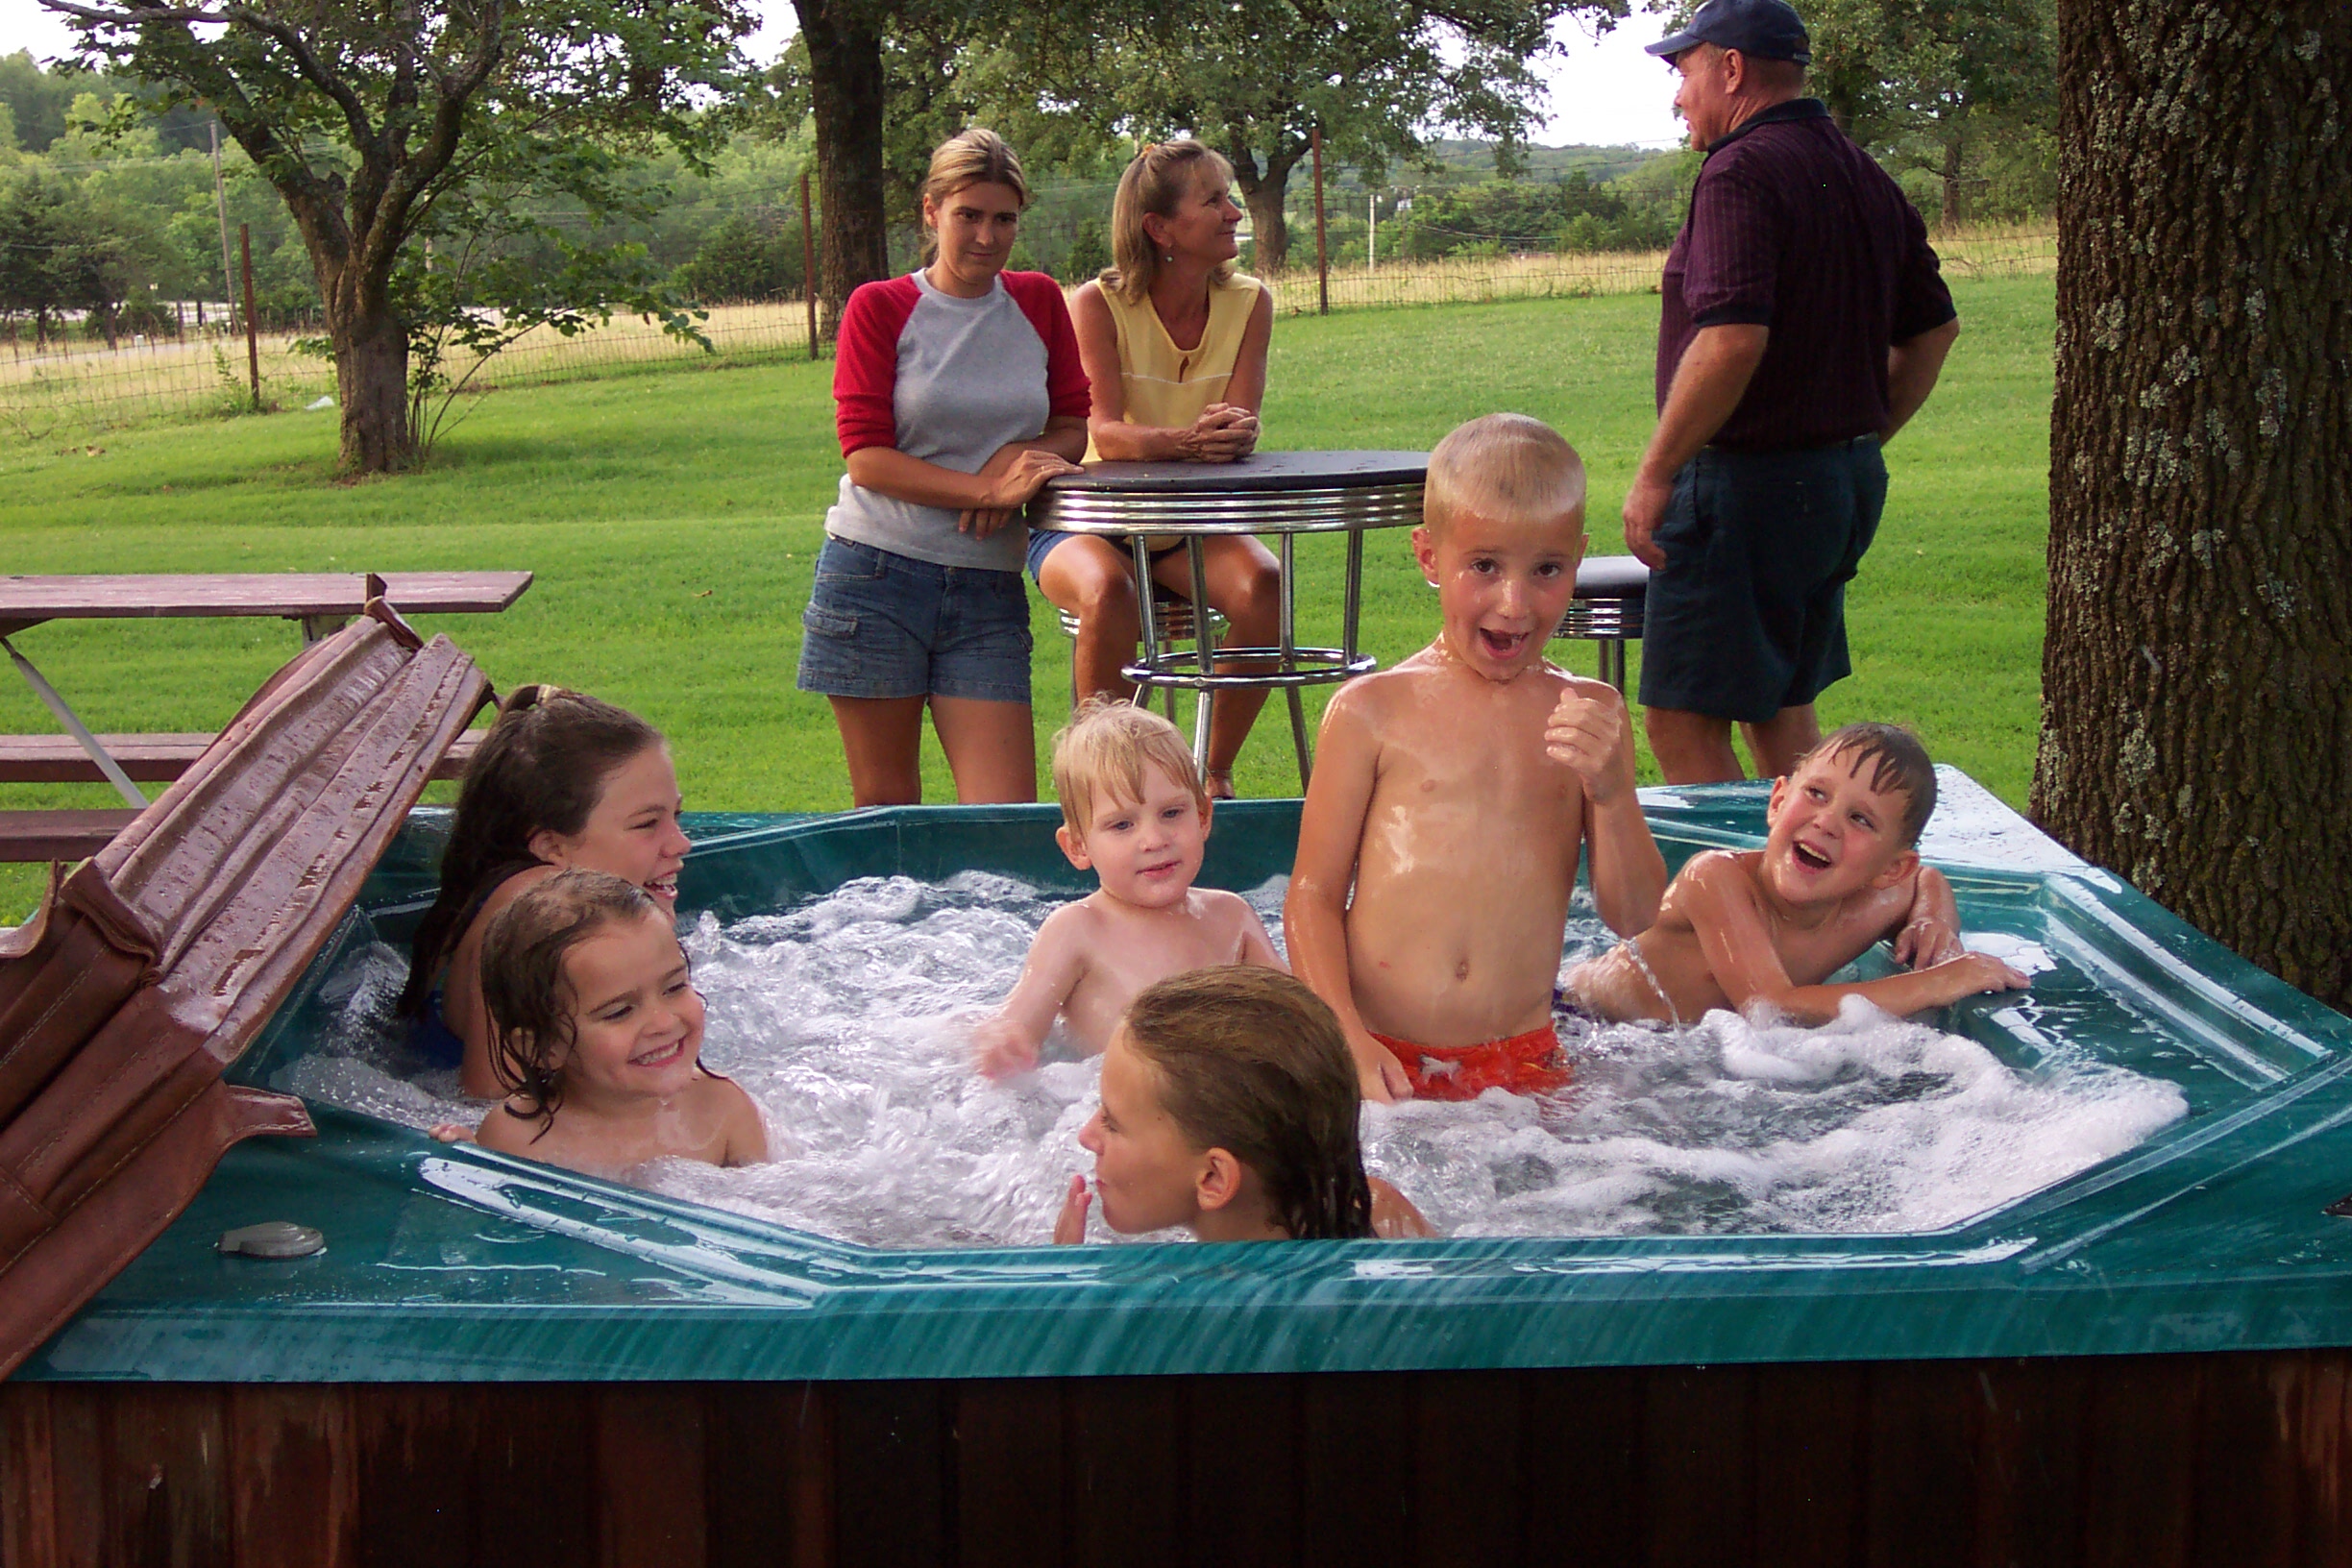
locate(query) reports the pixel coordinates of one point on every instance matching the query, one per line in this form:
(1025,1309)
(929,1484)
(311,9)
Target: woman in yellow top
(1174,341)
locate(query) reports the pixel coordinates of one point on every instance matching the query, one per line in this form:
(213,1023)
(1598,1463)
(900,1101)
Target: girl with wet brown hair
(562,780)
(1228,1109)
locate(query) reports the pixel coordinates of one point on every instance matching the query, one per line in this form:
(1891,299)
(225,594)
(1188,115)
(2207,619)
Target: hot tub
(2146,1353)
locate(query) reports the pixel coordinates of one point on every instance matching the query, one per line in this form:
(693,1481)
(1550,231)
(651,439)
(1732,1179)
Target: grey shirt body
(970,378)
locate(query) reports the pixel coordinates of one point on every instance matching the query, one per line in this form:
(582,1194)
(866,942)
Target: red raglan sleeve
(866,363)
(1068,390)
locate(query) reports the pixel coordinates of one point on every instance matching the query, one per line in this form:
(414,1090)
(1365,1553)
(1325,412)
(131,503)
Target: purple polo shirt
(1795,228)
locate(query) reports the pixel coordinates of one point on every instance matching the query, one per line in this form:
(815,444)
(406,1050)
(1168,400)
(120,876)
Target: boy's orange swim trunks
(1529,1064)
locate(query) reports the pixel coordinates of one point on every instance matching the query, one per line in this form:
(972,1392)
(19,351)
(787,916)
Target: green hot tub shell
(454,1264)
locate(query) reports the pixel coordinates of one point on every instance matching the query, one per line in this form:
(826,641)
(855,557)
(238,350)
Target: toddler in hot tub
(1135,812)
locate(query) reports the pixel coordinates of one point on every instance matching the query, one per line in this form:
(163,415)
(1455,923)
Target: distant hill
(1467,162)
(1598,163)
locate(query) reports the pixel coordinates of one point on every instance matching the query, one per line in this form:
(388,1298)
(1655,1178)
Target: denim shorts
(881,624)
(1748,617)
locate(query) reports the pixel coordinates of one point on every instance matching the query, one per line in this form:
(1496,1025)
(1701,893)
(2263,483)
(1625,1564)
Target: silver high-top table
(1281,493)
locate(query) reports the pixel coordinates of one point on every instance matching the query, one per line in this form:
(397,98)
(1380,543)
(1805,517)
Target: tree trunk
(1264,187)
(845,99)
(1951,175)
(372,384)
(370,342)
(2196,734)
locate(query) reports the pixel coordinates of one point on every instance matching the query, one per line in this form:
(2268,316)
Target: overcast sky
(1606,92)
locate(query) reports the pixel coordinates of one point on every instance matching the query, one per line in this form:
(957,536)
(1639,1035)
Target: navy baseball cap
(1765,29)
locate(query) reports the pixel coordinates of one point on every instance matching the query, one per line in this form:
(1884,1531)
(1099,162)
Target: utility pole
(220,202)
(1372,233)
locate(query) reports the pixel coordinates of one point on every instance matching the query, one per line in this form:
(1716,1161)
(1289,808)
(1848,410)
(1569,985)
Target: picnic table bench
(321,601)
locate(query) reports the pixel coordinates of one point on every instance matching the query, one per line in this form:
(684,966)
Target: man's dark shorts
(1748,615)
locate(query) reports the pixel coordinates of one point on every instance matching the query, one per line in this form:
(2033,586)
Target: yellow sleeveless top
(1167,387)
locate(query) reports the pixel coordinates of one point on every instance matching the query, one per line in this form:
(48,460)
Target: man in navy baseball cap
(1801,322)
(1760,28)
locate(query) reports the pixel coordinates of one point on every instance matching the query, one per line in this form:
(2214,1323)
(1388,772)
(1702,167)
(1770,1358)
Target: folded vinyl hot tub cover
(150,967)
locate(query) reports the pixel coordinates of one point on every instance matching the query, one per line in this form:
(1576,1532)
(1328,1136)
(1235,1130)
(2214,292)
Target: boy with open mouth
(1839,872)
(1453,794)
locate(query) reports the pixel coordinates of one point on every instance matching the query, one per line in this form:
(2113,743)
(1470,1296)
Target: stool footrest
(1302,666)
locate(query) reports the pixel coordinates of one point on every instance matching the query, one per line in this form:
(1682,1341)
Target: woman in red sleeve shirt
(958,393)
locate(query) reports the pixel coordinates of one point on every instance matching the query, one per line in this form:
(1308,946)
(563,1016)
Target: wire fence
(64,386)
(1539,275)
(68,390)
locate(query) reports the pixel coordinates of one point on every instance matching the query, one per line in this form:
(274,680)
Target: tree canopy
(1257,78)
(1928,84)
(383,128)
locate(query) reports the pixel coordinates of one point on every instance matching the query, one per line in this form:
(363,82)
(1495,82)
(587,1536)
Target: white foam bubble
(850,1018)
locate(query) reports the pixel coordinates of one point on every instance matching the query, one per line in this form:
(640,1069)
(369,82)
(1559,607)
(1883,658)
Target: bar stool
(1173,616)
(1276,496)
(1611,593)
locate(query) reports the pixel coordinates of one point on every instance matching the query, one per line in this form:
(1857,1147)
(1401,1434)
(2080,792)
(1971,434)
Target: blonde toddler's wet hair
(1503,466)
(1104,750)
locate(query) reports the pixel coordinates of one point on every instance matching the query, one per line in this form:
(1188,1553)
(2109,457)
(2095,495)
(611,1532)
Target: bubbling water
(849,1019)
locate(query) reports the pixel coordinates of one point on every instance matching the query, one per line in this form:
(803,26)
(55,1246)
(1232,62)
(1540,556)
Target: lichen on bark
(2197,730)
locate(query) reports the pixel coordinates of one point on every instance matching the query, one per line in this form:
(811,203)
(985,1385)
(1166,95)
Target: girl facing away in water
(561,781)
(599,1035)
(1230,1108)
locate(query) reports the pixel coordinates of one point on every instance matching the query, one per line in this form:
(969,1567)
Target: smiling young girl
(561,781)
(1228,1109)
(600,1034)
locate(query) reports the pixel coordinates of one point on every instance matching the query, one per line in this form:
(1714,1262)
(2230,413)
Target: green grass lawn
(671,518)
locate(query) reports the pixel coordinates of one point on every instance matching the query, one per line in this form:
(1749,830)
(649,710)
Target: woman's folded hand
(1221,435)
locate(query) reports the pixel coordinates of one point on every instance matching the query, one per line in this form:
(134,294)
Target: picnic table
(320,602)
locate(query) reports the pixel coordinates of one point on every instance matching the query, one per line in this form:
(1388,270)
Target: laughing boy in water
(1837,874)
(1453,795)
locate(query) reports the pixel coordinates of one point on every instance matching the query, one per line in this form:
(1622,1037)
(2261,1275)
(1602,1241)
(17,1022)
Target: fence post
(253,340)
(808,262)
(1314,139)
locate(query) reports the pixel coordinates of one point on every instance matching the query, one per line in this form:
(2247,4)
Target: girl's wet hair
(1252,1061)
(1155,185)
(526,990)
(1898,762)
(543,765)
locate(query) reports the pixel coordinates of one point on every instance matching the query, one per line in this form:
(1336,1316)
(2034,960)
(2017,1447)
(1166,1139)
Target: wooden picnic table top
(25,601)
